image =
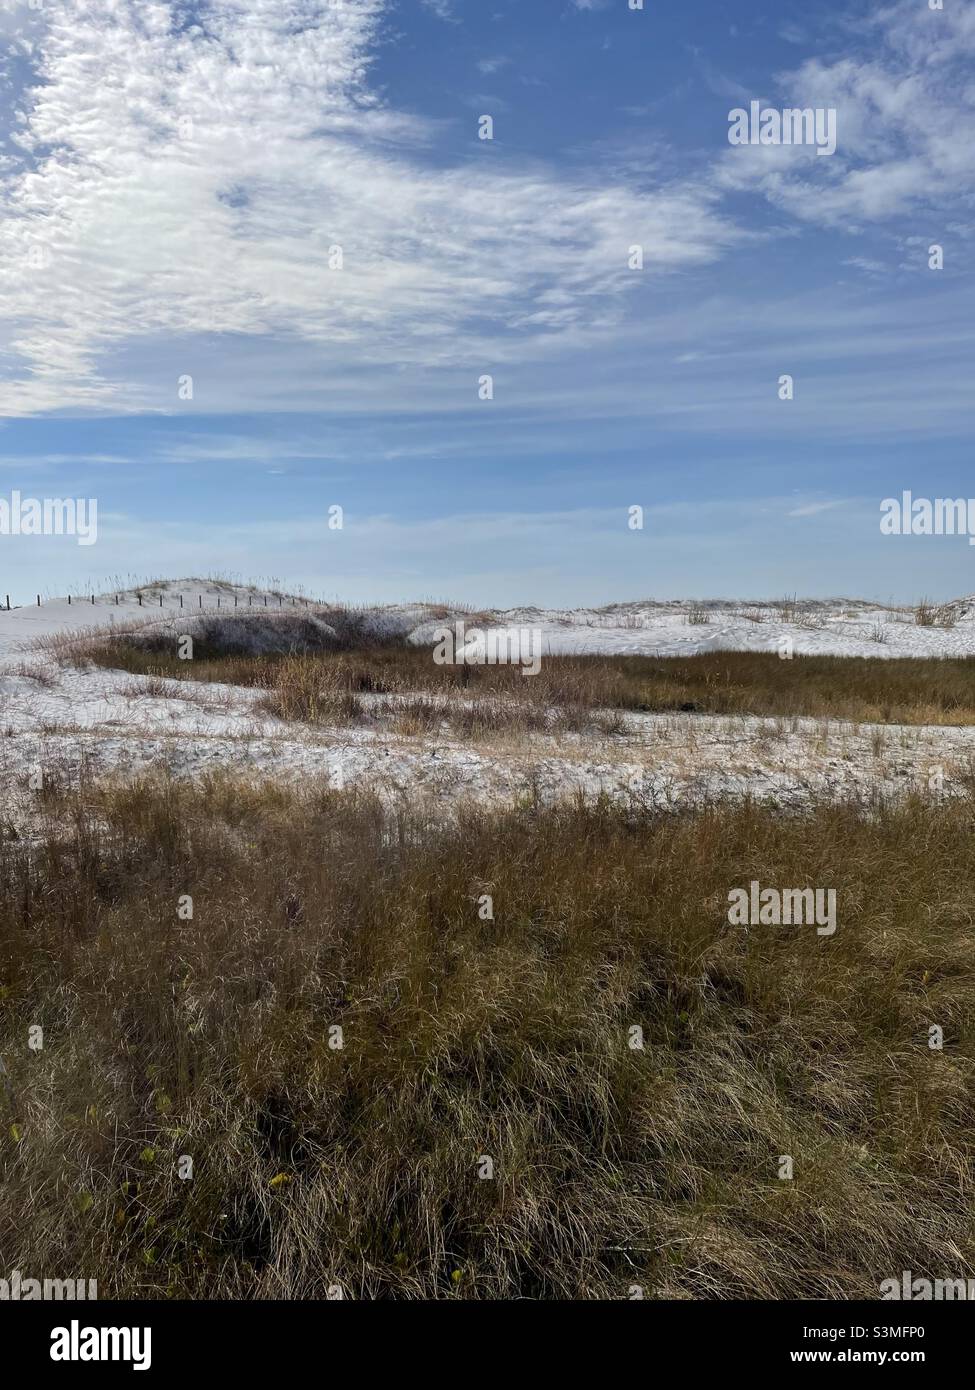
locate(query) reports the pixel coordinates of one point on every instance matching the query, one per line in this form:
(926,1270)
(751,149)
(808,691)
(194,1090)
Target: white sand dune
(840,627)
(63,717)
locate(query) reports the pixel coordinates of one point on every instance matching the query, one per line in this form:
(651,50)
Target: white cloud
(792,33)
(443,9)
(814,508)
(905,124)
(866,264)
(492,65)
(178,180)
(18,19)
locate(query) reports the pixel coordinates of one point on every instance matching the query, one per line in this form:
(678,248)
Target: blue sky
(175,178)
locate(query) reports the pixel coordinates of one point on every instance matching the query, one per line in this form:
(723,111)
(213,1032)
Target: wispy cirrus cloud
(176,175)
(443,9)
(814,508)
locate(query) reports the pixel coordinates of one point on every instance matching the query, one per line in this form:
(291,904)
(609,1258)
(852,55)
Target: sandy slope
(22,626)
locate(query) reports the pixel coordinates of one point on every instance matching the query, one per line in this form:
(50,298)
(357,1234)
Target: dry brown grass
(928,614)
(466,1037)
(36,671)
(861,689)
(318,693)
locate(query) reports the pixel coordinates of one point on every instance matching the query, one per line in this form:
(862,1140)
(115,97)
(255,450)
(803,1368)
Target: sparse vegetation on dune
(928,614)
(305,667)
(465,1037)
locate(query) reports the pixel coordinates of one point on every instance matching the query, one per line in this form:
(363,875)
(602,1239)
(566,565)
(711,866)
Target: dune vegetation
(296,1044)
(313,669)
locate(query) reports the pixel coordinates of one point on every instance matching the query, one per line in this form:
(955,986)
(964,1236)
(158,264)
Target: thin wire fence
(204,602)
